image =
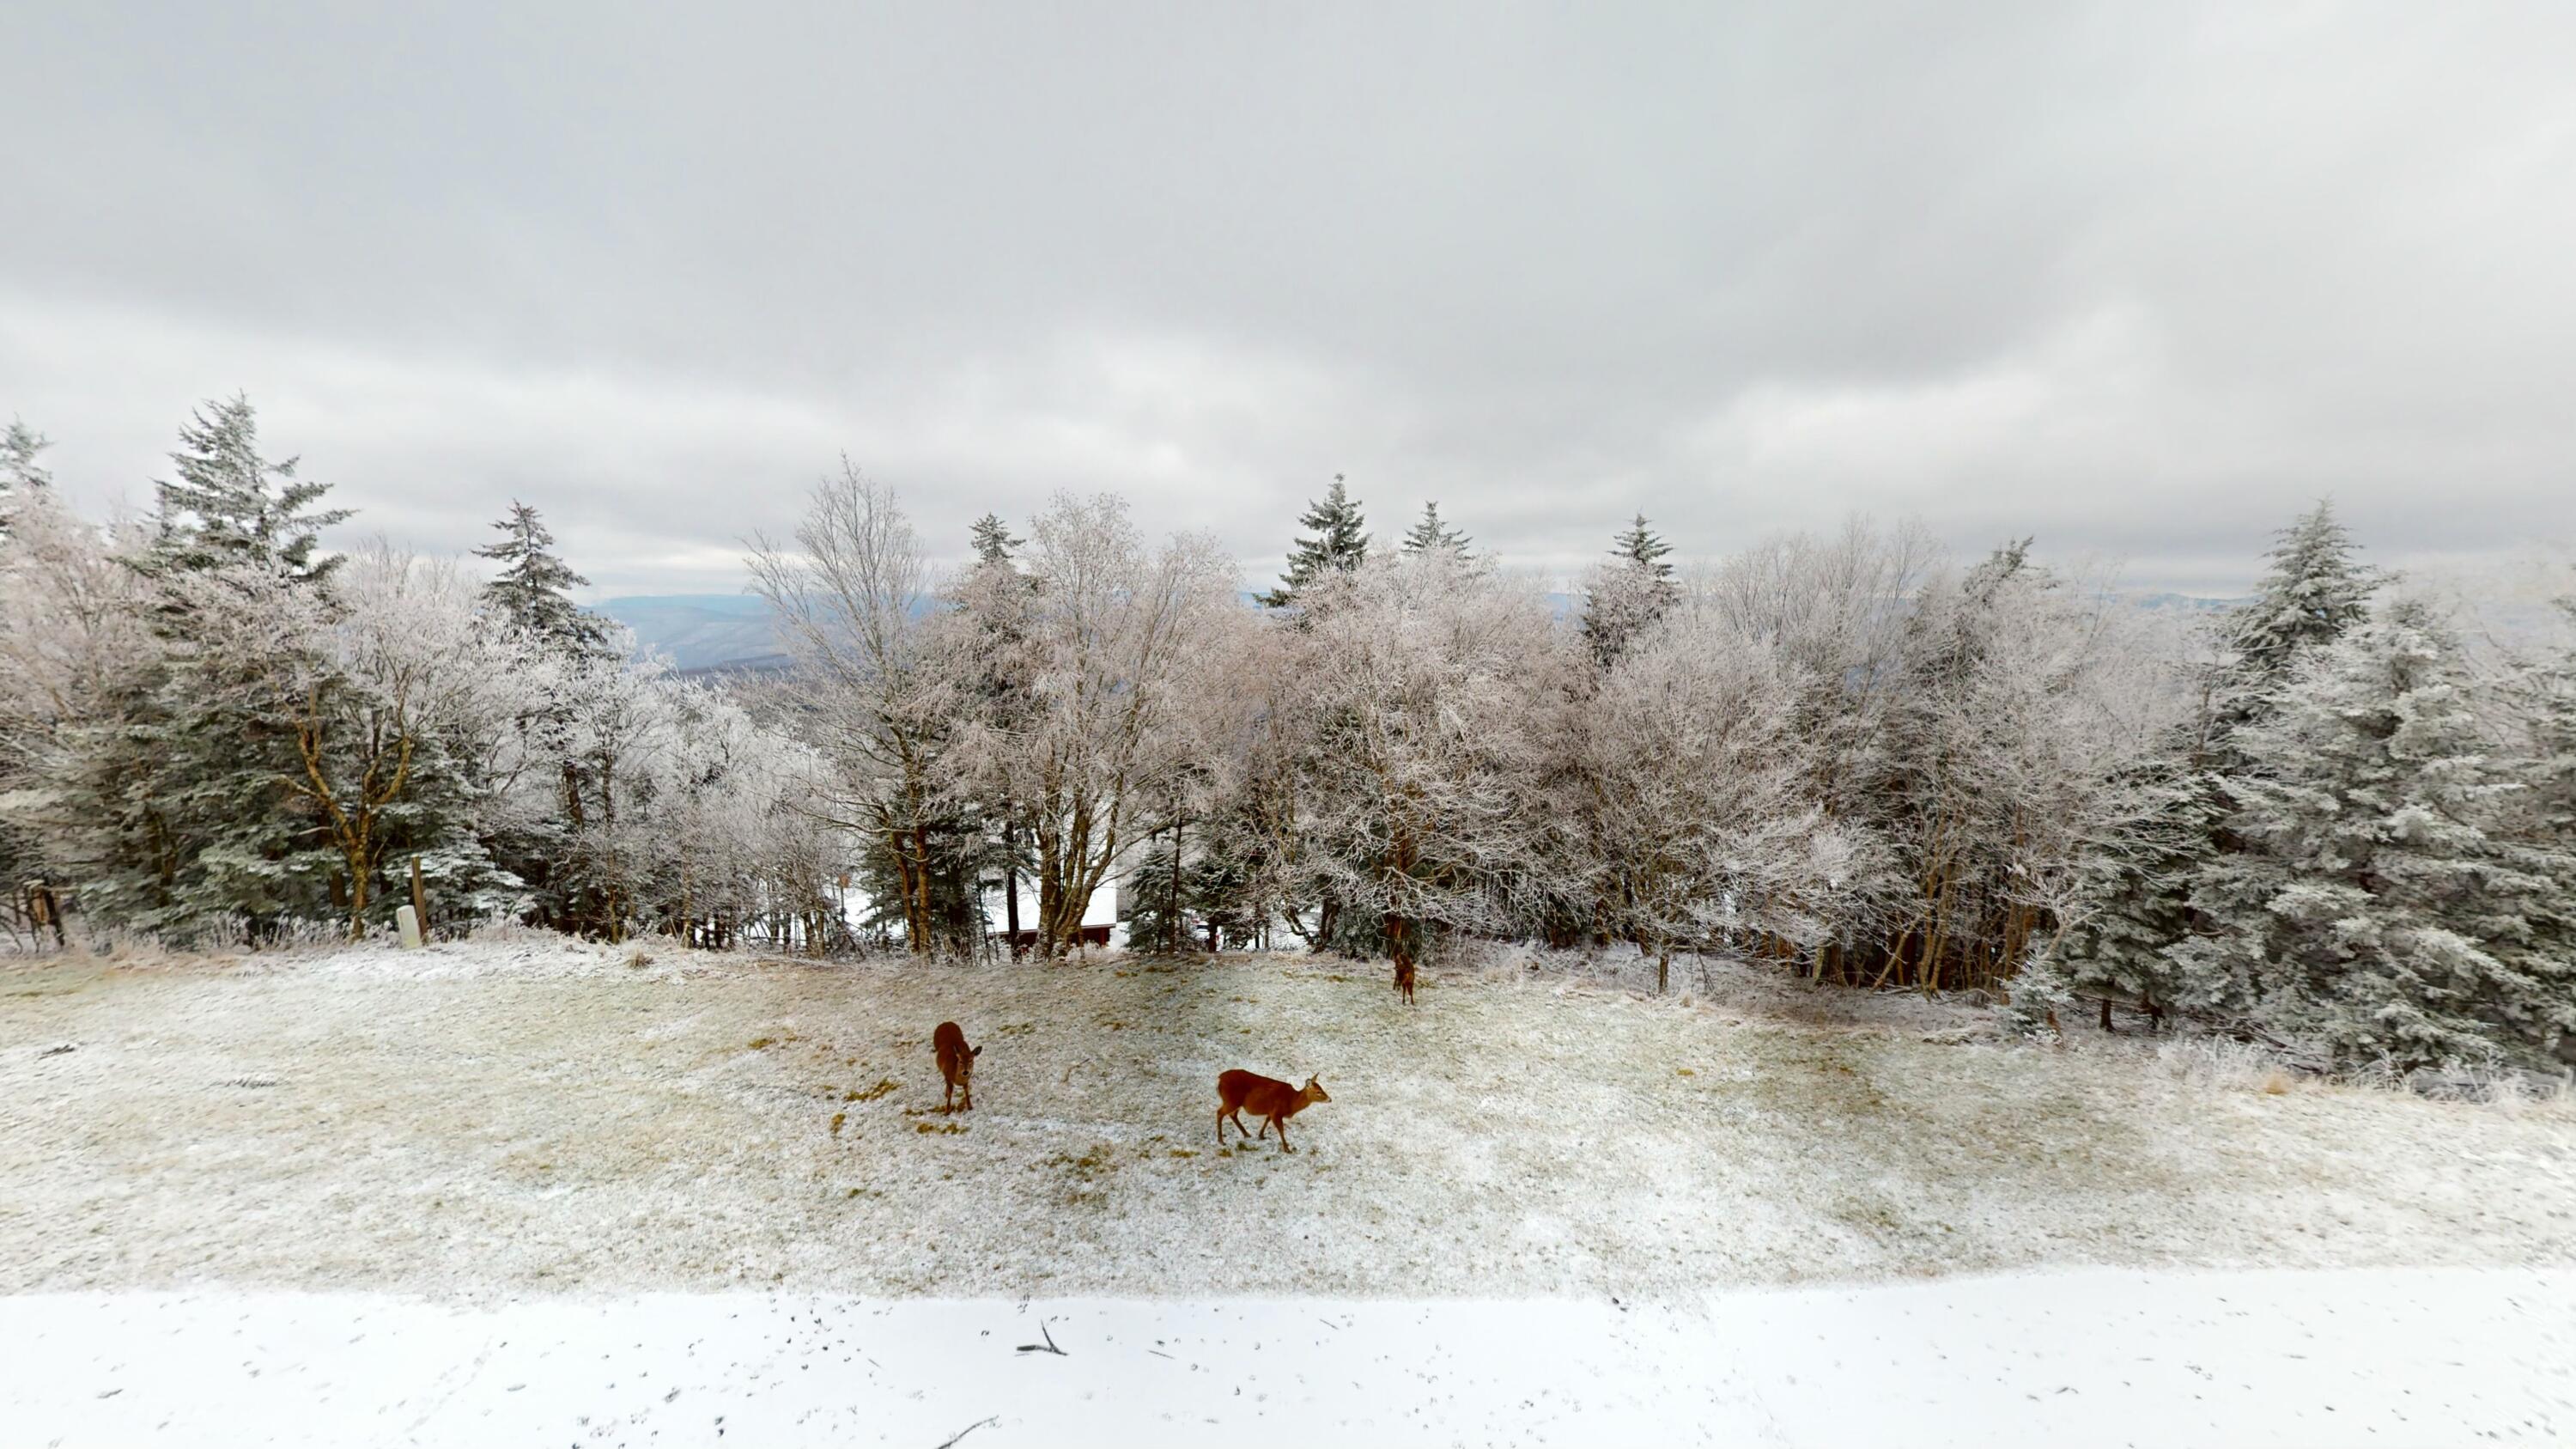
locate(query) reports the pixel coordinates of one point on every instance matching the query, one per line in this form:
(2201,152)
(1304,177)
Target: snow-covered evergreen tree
(1625,596)
(2380,908)
(2162,920)
(228,504)
(201,781)
(533,590)
(1433,531)
(1336,543)
(22,474)
(2314,591)
(994,541)
(2131,905)
(2545,695)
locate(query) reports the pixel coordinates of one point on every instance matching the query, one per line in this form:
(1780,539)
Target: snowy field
(2096,1357)
(423,1178)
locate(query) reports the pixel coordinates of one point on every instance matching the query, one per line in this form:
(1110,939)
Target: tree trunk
(1011,884)
(419,899)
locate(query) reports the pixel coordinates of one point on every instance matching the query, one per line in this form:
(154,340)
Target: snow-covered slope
(2389,1356)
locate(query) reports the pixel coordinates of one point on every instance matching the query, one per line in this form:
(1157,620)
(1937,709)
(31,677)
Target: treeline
(212,730)
(2316,817)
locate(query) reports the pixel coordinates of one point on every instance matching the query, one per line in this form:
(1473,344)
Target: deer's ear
(977,1052)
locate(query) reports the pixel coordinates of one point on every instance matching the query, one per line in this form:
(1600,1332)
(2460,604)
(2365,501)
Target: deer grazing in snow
(956,1063)
(1273,1101)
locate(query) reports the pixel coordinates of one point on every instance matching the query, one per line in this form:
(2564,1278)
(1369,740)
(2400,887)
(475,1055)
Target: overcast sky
(2139,279)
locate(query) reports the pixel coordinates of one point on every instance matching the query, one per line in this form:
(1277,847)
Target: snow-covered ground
(423,1177)
(2107,1357)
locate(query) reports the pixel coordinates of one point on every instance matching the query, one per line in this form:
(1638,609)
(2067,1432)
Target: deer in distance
(1271,1100)
(956,1063)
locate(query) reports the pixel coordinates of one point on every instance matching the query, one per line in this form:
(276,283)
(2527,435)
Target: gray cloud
(2140,279)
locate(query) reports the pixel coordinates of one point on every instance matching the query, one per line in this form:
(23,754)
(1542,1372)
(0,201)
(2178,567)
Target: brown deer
(956,1063)
(1271,1100)
(1401,949)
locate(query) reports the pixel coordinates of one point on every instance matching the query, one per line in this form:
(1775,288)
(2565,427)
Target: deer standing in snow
(956,1063)
(1271,1100)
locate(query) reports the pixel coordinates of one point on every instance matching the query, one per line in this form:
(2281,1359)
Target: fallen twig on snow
(1046,1347)
(969,1429)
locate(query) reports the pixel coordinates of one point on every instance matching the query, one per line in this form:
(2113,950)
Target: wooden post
(419,899)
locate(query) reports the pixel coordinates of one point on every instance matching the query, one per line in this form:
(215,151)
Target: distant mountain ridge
(700,631)
(708,632)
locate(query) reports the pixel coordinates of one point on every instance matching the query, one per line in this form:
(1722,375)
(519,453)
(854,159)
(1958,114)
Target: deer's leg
(1282,1124)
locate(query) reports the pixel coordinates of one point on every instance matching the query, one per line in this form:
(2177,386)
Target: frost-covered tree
(2152,910)
(533,589)
(22,473)
(982,640)
(77,658)
(2542,702)
(2013,756)
(1432,531)
(396,682)
(1336,542)
(1251,873)
(1120,639)
(993,539)
(196,785)
(867,690)
(1694,800)
(1420,672)
(1624,597)
(2380,908)
(2314,591)
(2129,906)
(227,503)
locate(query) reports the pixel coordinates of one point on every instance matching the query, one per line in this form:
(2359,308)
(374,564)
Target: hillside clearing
(500,1118)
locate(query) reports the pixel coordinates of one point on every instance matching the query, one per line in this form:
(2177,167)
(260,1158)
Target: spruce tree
(21,475)
(201,783)
(2315,591)
(533,590)
(994,542)
(2549,770)
(989,619)
(1643,548)
(2164,926)
(1431,531)
(2135,905)
(547,852)
(229,505)
(1337,542)
(2379,911)
(1630,593)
